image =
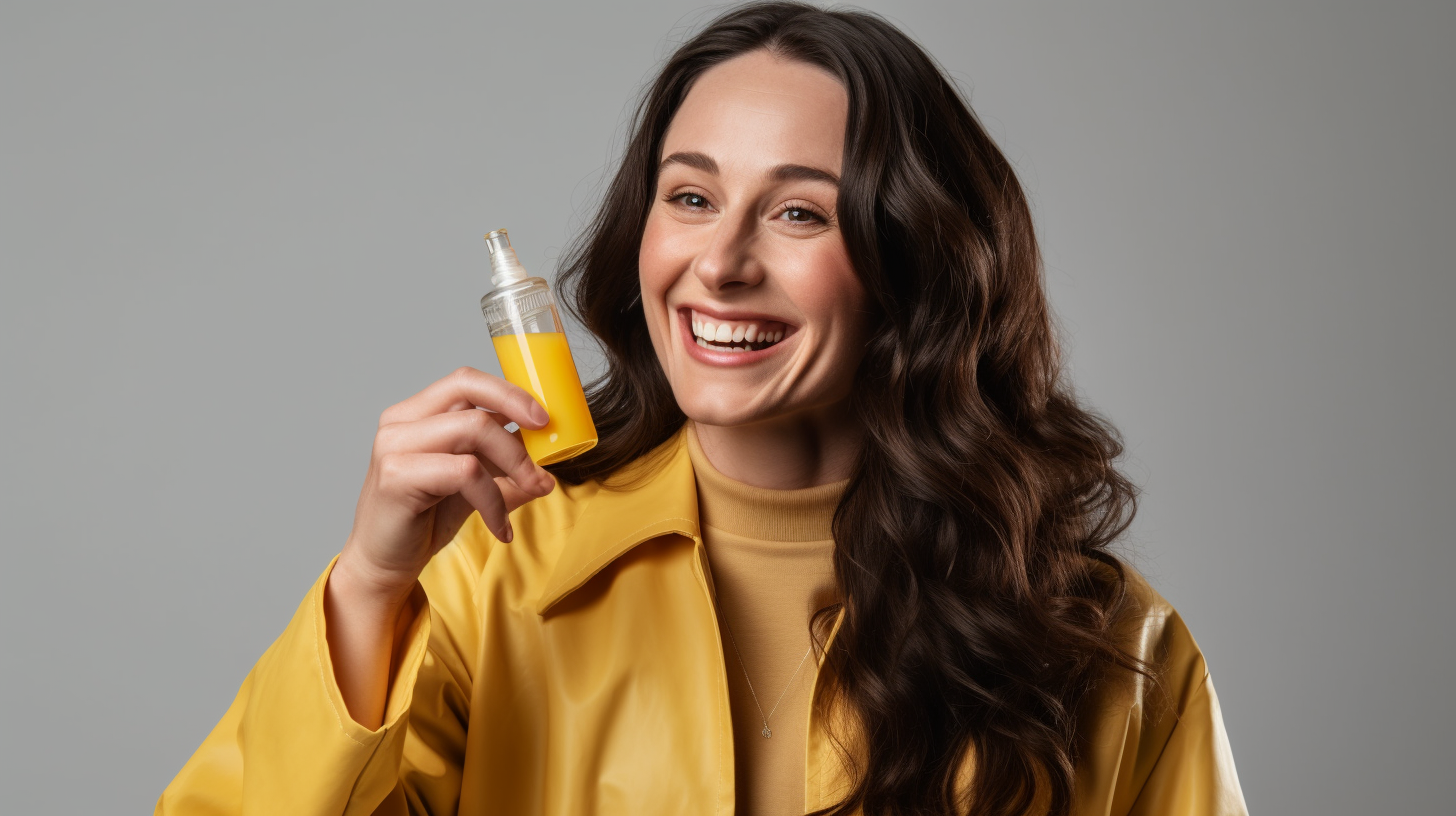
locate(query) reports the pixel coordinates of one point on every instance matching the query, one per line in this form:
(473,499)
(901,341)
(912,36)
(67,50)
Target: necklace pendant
(766,733)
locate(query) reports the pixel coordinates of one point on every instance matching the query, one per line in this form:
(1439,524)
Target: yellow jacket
(578,670)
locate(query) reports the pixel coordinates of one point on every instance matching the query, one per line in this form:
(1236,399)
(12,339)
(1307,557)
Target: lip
(730,314)
(727,359)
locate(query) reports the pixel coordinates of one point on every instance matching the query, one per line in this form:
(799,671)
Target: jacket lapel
(653,497)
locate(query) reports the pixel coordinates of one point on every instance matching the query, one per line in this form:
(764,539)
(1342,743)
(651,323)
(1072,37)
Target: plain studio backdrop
(232,234)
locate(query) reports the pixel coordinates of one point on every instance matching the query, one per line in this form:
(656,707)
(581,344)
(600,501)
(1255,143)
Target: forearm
(292,730)
(361,621)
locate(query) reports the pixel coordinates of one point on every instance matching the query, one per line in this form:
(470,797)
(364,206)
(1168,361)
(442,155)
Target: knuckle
(386,439)
(470,468)
(386,417)
(392,471)
(477,421)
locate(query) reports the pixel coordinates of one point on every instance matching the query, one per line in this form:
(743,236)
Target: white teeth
(708,334)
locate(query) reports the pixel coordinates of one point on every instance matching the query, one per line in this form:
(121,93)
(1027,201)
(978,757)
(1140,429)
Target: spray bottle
(528,338)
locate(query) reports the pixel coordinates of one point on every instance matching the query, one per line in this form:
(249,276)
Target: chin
(723,411)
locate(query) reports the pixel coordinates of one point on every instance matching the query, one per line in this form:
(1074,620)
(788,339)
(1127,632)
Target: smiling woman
(743,236)
(833,426)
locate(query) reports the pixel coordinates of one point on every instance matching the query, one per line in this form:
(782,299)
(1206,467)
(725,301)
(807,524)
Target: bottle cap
(505,267)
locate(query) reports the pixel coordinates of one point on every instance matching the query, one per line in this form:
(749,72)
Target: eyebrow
(784,172)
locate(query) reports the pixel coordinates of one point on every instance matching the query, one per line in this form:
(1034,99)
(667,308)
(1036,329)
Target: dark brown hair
(971,544)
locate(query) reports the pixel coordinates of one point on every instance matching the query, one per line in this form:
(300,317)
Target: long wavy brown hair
(980,598)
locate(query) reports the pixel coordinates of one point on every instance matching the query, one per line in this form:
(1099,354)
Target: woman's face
(753,307)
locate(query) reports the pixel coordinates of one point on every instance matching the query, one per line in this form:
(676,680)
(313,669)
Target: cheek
(654,278)
(832,292)
(656,258)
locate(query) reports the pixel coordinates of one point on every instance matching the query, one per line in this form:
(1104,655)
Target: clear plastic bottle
(531,345)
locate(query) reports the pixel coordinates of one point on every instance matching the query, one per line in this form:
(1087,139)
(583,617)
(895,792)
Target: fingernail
(539,414)
(507,534)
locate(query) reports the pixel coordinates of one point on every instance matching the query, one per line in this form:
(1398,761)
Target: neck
(785,453)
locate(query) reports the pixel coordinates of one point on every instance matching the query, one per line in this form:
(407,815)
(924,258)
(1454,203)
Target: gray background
(230,235)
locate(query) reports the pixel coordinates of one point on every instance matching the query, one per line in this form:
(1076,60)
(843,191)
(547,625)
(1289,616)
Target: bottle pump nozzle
(505,267)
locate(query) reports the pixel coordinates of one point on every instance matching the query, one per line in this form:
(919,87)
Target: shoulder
(1156,743)
(1152,631)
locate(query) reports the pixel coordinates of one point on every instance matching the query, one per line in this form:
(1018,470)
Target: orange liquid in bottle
(541,363)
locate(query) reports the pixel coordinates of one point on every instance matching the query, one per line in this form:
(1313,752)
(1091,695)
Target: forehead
(758,111)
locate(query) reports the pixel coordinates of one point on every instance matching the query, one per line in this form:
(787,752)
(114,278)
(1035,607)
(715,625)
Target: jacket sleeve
(1194,773)
(288,745)
(1156,744)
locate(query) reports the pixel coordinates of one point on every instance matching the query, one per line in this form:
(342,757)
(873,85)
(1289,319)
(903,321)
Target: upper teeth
(719,331)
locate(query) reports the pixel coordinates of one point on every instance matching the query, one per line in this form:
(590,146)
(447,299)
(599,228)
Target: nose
(727,260)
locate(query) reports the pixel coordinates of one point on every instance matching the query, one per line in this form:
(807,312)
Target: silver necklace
(766,732)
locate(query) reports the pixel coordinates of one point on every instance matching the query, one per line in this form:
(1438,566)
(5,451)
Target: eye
(800,214)
(690,200)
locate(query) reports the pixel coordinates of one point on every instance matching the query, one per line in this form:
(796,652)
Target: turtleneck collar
(773,515)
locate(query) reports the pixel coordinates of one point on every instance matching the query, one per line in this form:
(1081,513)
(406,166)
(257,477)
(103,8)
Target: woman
(842,545)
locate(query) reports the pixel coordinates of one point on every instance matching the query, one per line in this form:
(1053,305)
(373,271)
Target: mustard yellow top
(772,559)
(579,670)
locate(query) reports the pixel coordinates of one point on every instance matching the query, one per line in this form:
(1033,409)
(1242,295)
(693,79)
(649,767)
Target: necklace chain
(766,732)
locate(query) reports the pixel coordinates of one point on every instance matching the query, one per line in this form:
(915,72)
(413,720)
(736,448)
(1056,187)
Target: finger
(515,496)
(467,387)
(497,417)
(450,516)
(427,478)
(500,419)
(452,511)
(473,432)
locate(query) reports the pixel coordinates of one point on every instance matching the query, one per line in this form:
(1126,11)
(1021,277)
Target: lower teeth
(732,346)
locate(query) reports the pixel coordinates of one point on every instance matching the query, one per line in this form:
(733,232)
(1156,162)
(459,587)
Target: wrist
(357,584)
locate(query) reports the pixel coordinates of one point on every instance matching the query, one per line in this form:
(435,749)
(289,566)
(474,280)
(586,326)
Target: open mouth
(717,334)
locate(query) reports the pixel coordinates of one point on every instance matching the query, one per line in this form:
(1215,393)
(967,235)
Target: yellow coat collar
(654,496)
